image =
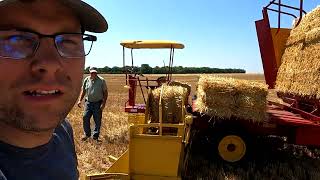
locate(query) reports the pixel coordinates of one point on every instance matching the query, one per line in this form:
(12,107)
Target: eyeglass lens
(20,44)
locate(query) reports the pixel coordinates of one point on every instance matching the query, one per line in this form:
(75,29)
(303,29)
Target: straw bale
(287,70)
(308,22)
(227,97)
(296,38)
(184,85)
(313,36)
(171,103)
(299,72)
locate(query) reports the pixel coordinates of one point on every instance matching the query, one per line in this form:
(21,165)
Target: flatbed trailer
(300,127)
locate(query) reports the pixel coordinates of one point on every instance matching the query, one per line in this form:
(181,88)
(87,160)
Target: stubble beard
(15,116)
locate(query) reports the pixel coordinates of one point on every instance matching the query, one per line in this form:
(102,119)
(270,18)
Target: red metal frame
(280,121)
(134,81)
(300,118)
(132,90)
(265,39)
(267,49)
(306,106)
(130,105)
(304,127)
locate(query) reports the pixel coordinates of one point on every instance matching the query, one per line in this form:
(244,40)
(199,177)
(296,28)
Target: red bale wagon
(297,118)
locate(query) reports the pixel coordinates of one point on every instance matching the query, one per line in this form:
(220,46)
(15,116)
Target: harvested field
(290,162)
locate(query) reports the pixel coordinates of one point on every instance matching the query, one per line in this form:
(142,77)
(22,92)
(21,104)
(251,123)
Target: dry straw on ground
(299,73)
(227,97)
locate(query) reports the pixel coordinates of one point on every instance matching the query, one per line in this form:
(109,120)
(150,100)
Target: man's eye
(16,38)
(66,41)
(19,40)
(71,42)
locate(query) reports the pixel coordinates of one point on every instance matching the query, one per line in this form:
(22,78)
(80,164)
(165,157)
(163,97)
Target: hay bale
(299,72)
(172,97)
(184,85)
(227,97)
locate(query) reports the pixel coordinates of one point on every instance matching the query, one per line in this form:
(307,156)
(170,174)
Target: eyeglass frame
(90,37)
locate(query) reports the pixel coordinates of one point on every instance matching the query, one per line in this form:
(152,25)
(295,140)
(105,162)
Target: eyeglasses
(16,44)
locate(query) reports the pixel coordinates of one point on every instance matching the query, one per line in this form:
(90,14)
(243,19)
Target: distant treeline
(146,69)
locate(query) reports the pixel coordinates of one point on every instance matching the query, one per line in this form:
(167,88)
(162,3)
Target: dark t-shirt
(55,160)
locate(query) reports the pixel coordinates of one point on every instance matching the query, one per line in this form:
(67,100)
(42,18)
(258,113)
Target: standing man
(41,68)
(94,87)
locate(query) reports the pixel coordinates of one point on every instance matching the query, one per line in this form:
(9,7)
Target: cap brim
(91,20)
(93,71)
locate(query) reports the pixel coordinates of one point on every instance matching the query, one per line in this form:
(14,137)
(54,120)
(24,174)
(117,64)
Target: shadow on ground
(272,158)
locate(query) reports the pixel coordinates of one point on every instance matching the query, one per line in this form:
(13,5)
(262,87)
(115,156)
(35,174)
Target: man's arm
(105,95)
(81,97)
(82,94)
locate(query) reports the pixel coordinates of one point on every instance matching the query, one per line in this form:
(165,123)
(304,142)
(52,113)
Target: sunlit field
(276,159)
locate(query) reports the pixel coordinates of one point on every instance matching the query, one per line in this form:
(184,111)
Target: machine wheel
(232,148)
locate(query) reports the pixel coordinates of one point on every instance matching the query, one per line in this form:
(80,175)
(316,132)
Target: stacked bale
(227,98)
(299,73)
(184,85)
(172,97)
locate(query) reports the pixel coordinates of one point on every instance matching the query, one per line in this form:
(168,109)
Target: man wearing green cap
(41,68)
(95,89)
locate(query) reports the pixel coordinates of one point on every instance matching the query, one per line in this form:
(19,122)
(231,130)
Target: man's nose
(46,60)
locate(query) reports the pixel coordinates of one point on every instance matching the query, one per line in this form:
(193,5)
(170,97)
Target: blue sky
(215,33)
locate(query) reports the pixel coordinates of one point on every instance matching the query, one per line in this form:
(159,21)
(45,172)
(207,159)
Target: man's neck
(93,77)
(24,139)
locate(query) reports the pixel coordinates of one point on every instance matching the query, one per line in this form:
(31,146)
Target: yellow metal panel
(155,155)
(136,118)
(279,41)
(103,176)
(144,177)
(151,44)
(121,165)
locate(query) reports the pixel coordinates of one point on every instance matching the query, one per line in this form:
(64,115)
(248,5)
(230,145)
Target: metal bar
(291,7)
(301,7)
(279,17)
(287,6)
(272,2)
(147,82)
(303,114)
(160,111)
(132,59)
(144,99)
(286,121)
(178,126)
(172,63)
(147,113)
(124,64)
(282,12)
